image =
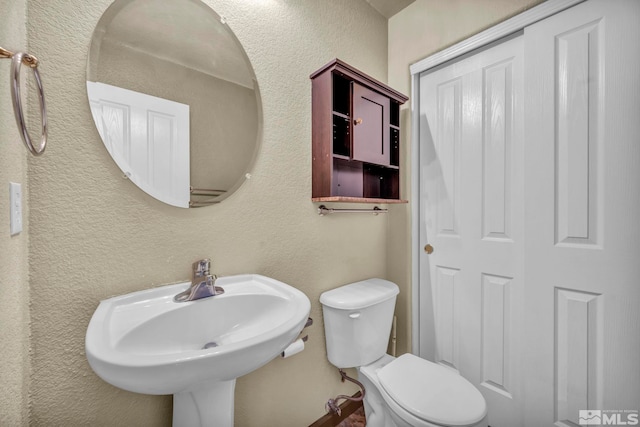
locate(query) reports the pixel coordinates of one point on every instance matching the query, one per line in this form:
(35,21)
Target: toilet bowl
(412,392)
(399,392)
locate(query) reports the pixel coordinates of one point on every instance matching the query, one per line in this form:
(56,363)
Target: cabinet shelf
(340,156)
(344,199)
(356,137)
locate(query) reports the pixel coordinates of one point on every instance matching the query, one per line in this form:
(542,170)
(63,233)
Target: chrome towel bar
(323,210)
(17,59)
(205,191)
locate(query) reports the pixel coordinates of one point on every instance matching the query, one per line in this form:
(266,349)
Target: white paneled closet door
(471,179)
(530,198)
(582,217)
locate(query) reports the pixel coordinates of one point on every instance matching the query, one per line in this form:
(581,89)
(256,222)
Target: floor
(354,420)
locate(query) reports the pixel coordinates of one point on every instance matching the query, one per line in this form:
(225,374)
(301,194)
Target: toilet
(406,391)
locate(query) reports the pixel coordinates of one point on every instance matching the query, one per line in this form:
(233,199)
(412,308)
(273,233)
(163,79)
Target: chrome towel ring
(17,59)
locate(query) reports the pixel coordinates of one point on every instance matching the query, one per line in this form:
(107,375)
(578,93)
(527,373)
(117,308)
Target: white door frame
(506,28)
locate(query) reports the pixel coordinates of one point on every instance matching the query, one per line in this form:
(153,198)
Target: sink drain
(209,345)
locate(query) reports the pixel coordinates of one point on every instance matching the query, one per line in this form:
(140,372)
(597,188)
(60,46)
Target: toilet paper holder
(286,352)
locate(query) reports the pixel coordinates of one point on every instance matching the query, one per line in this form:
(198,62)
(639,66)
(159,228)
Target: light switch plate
(15,206)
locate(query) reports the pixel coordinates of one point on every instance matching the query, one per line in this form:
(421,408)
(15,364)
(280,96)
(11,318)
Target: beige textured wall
(428,26)
(14,276)
(94,234)
(421,29)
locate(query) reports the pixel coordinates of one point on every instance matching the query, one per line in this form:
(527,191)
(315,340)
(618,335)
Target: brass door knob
(357,121)
(428,249)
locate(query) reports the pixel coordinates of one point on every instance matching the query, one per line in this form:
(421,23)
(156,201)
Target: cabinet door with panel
(370,119)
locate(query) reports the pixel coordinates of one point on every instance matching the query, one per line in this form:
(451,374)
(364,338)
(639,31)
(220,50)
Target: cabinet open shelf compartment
(356,137)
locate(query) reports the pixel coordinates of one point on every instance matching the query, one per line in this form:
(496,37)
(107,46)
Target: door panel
(471,178)
(582,208)
(496,147)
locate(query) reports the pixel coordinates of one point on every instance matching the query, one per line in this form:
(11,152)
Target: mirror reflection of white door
(148,137)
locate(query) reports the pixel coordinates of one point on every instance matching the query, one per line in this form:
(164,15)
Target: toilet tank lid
(359,295)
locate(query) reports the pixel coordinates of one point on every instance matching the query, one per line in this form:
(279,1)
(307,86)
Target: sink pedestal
(209,405)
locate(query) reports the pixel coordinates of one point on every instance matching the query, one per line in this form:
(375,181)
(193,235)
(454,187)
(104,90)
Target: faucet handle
(201,268)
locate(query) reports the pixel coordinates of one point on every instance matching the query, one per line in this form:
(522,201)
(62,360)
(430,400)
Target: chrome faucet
(202,283)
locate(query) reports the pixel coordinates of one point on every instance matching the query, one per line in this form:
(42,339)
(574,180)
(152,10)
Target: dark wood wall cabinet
(355,137)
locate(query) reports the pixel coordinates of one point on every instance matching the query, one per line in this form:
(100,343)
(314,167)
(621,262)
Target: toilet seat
(430,392)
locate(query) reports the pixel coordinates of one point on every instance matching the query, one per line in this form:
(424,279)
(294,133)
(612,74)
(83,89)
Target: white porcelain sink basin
(146,342)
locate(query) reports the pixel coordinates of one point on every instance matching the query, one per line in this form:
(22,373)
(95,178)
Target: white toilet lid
(432,392)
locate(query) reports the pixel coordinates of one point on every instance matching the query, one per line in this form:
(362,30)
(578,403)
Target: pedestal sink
(146,342)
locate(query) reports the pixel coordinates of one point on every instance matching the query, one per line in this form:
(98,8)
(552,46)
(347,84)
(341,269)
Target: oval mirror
(174,99)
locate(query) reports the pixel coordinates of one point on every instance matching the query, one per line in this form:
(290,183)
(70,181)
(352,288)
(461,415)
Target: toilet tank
(357,321)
